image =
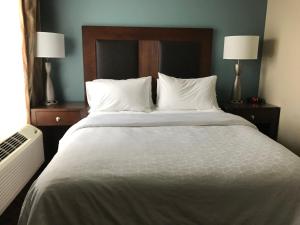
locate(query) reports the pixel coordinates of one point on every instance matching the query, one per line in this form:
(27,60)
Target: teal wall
(226,17)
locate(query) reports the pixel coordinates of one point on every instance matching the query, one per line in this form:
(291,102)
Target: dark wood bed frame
(149,43)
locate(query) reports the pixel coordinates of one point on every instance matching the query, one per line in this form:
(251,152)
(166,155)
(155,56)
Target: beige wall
(280,72)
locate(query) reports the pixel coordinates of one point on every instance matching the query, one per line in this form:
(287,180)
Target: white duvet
(166,168)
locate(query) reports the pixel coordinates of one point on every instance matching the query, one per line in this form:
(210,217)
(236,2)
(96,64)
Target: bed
(162,167)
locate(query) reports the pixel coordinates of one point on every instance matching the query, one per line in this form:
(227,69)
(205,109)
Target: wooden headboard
(130,52)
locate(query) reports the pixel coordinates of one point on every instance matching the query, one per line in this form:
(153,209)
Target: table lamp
(50,45)
(240,48)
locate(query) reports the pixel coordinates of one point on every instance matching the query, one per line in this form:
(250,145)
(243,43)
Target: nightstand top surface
(62,106)
(247,106)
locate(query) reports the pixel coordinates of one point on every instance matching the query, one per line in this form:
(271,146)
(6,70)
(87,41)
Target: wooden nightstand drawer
(58,115)
(57,118)
(256,116)
(265,117)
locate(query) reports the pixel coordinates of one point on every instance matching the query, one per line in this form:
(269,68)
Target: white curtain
(13,113)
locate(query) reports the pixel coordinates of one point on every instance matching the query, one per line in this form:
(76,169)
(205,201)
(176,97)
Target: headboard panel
(117,59)
(182,52)
(179,58)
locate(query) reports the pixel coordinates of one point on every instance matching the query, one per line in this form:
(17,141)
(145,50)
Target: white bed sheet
(166,168)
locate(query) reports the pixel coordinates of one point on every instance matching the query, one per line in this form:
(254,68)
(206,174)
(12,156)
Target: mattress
(166,168)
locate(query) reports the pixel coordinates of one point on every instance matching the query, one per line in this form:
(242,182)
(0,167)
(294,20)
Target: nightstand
(54,121)
(265,116)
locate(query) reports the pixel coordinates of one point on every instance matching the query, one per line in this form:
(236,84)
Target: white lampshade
(241,47)
(50,45)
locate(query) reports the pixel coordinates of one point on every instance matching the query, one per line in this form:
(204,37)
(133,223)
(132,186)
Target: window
(12,84)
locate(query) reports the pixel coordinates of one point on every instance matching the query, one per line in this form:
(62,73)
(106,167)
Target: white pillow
(186,94)
(119,95)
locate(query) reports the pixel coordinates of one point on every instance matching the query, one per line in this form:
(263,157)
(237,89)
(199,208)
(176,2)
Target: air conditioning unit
(21,155)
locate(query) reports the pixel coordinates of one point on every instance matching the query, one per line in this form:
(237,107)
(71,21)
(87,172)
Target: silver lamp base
(236,101)
(52,102)
(50,95)
(237,89)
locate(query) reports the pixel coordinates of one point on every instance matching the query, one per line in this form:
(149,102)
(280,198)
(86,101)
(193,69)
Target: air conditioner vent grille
(11,144)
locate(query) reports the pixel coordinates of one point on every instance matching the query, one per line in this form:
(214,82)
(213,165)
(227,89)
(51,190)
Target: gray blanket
(166,168)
